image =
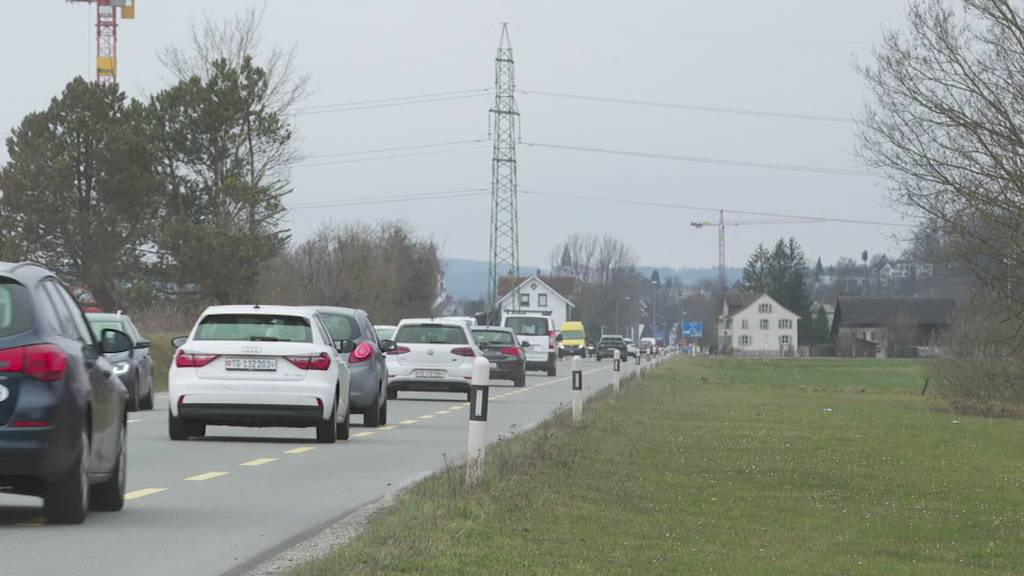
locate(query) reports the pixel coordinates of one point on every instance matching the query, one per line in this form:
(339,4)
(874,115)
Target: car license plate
(494,364)
(251,364)
(430,374)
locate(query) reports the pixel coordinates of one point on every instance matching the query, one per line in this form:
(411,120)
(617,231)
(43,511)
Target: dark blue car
(62,410)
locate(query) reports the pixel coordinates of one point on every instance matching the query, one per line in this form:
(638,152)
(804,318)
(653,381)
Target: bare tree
(946,130)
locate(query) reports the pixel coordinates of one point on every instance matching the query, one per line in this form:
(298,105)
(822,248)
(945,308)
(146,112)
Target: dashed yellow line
(37,522)
(299,450)
(143,493)
(457,407)
(362,434)
(407,422)
(426,417)
(258,462)
(392,427)
(206,476)
(442,412)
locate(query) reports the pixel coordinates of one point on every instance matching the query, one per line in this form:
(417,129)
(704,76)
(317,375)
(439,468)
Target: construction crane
(106,35)
(722,223)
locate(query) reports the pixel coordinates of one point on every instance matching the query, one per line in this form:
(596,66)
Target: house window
(785,340)
(542,300)
(785,324)
(745,324)
(745,340)
(765,308)
(764,324)
(728,324)
(524,299)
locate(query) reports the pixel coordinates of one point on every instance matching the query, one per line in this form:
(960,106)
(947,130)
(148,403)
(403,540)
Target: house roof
(883,311)
(739,301)
(564,285)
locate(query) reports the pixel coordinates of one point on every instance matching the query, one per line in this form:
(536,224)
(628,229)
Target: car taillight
(192,359)
(44,362)
(362,353)
(319,362)
(552,339)
(464,351)
(511,351)
(399,350)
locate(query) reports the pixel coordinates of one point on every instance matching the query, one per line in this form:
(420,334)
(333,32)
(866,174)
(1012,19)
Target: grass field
(162,353)
(726,467)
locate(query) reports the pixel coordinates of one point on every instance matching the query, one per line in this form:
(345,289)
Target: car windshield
(528,326)
(13,309)
(342,326)
(98,326)
(384,333)
(572,335)
(254,327)
(611,341)
(493,337)
(430,334)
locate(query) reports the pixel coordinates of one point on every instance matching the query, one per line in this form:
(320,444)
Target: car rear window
(572,335)
(14,318)
(98,326)
(342,327)
(384,333)
(612,341)
(255,327)
(528,326)
(493,337)
(430,334)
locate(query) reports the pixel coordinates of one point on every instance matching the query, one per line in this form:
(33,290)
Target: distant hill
(467,279)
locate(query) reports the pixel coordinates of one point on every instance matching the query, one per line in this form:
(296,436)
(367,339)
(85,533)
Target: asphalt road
(222,504)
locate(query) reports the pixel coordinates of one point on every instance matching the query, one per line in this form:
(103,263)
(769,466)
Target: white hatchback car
(432,355)
(258,366)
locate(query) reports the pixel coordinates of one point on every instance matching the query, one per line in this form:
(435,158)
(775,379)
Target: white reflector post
(616,369)
(477,443)
(577,390)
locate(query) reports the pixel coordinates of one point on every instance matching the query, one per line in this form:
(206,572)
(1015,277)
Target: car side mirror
(142,344)
(179,341)
(388,346)
(524,344)
(558,338)
(344,346)
(114,342)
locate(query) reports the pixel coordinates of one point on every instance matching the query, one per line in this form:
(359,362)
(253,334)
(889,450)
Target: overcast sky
(790,56)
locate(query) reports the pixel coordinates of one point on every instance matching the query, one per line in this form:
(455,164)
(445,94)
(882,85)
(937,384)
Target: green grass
(727,467)
(162,353)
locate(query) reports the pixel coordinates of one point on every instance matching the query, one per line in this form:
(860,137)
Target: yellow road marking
(426,417)
(258,462)
(134,421)
(207,476)
(299,450)
(143,493)
(392,427)
(36,522)
(363,434)
(458,407)
(408,422)
(442,412)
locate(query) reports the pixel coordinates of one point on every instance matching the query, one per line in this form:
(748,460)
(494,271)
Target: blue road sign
(693,329)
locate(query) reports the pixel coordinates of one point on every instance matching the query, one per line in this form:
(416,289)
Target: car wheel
(327,430)
(384,413)
(520,381)
(391,394)
(552,369)
(371,418)
(67,500)
(344,426)
(147,400)
(109,496)
(177,428)
(196,429)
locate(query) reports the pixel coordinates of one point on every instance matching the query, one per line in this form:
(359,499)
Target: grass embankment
(727,467)
(162,352)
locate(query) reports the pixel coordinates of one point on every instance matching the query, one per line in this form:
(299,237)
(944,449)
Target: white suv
(432,355)
(258,366)
(539,333)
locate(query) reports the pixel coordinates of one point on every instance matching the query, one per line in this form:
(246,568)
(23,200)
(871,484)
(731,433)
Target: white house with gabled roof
(537,295)
(757,325)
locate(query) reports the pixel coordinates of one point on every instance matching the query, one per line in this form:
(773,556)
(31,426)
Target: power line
(444,195)
(397,148)
(694,107)
(715,210)
(394,99)
(702,160)
(386,103)
(387,157)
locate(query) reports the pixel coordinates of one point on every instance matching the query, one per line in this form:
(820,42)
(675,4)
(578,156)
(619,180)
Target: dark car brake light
(44,362)
(511,351)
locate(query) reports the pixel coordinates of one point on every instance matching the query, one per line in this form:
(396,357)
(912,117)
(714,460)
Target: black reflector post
(477,442)
(577,390)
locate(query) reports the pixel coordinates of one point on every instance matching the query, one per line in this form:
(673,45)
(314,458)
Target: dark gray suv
(63,423)
(135,366)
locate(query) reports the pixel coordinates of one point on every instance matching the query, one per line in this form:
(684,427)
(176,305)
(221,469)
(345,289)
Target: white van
(537,334)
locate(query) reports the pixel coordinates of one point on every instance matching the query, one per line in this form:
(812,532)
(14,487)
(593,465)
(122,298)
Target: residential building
(870,327)
(542,295)
(756,325)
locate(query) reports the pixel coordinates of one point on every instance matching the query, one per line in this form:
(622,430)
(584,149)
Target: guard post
(577,390)
(477,445)
(616,369)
